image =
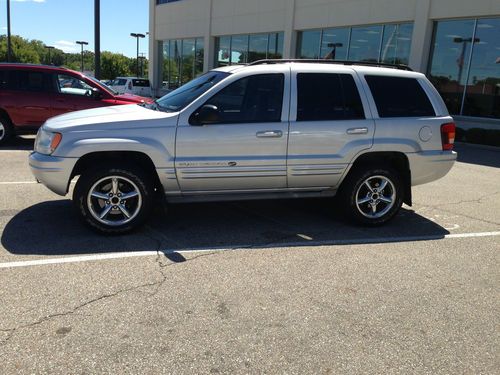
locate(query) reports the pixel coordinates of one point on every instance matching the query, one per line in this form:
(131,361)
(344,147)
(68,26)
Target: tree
(34,52)
(114,65)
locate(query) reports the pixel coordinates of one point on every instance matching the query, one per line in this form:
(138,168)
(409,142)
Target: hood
(133,98)
(106,118)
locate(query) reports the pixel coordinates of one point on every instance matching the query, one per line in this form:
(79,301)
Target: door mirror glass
(208,114)
(95,93)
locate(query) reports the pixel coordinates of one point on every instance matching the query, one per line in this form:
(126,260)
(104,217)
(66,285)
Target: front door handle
(357,131)
(270,134)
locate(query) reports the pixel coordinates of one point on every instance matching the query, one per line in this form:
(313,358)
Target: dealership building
(455,42)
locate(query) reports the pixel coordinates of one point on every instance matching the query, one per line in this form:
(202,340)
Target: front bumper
(52,171)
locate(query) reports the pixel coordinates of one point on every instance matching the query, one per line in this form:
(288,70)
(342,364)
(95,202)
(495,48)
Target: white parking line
(136,254)
(24,151)
(17,182)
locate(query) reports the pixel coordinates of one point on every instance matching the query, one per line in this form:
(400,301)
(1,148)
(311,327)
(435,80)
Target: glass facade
(389,43)
(182,61)
(242,49)
(465,66)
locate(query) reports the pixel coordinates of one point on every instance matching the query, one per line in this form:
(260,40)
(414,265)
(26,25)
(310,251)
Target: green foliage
(34,52)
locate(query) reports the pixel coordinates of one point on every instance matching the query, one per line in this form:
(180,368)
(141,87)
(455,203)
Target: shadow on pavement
(472,154)
(53,228)
(25,143)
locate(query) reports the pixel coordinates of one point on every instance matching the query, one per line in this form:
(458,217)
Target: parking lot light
(137,36)
(82,43)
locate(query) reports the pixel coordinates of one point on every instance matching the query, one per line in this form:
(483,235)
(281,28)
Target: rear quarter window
(119,82)
(140,82)
(25,80)
(3,79)
(399,97)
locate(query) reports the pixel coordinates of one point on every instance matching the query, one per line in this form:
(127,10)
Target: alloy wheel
(375,197)
(114,200)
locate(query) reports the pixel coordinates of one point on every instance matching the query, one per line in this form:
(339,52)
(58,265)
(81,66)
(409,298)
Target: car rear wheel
(5,130)
(372,196)
(114,200)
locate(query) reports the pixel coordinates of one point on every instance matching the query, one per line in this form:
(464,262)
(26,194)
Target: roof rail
(337,62)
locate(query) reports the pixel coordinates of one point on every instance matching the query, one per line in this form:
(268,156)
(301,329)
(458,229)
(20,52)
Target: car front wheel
(5,130)
(113,200)
(372,196)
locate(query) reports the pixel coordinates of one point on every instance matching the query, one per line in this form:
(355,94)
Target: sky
(60,23)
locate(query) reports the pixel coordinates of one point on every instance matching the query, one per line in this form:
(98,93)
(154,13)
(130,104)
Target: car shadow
(24,143)
(53,228)
(481,155)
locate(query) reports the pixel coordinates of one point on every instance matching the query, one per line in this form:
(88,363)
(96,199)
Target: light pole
(82,43)
(137,36)
(49,48)
(9,46)
(97,39)
(142,57)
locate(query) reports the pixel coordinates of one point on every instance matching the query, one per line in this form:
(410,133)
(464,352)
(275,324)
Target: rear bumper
(54,172)
(428,166)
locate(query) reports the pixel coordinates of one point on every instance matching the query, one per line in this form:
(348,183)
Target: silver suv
(270,129)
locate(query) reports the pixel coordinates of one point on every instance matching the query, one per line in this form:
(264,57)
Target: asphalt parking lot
(254,287)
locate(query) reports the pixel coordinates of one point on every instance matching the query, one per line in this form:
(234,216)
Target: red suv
(30,94)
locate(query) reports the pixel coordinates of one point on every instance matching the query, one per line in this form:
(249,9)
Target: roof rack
(337,62)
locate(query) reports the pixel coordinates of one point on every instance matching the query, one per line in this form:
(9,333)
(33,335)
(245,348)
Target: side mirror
(208,114)
(96,94)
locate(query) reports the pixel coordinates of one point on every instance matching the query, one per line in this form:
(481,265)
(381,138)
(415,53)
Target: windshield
(181,97)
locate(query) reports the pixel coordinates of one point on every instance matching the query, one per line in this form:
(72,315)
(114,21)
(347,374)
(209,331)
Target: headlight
(46,142)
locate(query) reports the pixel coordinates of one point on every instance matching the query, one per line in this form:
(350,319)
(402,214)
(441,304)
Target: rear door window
(32,81)
(327,97)
(399,97)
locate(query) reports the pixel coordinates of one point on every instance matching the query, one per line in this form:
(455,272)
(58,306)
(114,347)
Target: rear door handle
(357,131)
(270,134)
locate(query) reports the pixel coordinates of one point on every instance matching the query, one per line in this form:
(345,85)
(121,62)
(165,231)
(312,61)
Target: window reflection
(465,66)
(334,44)
(450,60)
(483,87)
(223,49)
(239,49)
(275,49)
(242,49)
(381,43)
(258,47)
(182,61)
(309,44)
(365,43)
(396,44)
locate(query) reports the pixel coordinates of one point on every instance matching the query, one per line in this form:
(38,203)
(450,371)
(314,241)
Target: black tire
(115,221)
(6,130)
(354,190)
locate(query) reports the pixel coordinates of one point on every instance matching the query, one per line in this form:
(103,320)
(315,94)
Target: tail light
(448,132)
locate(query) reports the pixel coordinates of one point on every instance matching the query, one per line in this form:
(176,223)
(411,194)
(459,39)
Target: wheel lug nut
(122,202)
(108,202)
